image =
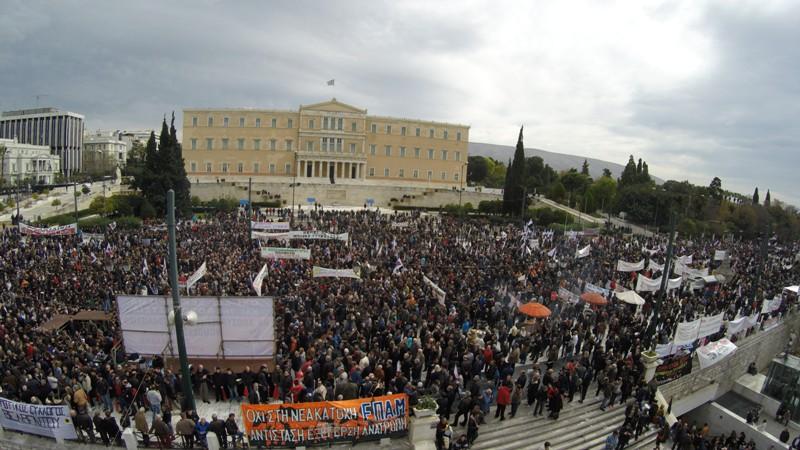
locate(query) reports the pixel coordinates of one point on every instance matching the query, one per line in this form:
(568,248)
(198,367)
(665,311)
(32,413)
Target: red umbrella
(593,298)
(534,309)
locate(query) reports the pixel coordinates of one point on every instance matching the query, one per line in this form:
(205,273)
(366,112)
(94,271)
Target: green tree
(585,168)
(515,180)
(477,169)
(755,197)
(715,189)
(767,199)
(557,192)
(602,192)
(606,172)
(628,176)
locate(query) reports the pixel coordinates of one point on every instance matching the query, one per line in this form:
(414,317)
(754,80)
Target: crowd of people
(388,332)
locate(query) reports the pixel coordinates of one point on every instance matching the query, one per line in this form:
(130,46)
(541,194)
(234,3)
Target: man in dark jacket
(218,427)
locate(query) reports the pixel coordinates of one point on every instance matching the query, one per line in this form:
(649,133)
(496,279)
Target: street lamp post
(75,197)
(461,179)
(651,329)
(250,206)
(186,382)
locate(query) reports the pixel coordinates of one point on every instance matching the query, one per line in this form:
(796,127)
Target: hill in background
(558,161)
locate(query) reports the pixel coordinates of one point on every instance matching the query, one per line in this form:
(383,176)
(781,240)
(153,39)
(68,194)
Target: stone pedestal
(422,432)
(651,361)
(212,440)
(129,439)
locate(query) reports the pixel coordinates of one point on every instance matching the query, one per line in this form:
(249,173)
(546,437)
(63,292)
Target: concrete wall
(721,420)
(341,195)
(761,348)
(749,387)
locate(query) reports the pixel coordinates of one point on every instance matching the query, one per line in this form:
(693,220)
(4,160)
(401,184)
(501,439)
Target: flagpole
(186,382)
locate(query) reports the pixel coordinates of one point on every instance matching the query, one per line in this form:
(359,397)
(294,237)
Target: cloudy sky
(698,89)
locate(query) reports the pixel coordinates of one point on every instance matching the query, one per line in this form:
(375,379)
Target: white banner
(720,255)
(741,324)
(663,350)
(259,279)
(769,306)
(644,284)
(567,295)
(399,224)
(597,290)
(674,283)
(97,237)
(681,268)
(196,276)
(710,325)
(686,332)
(270,226)
(322,272)
(650,252)
(288,235)
(714,352)
(584,252)
(686,259)
(226,326)
(45,420)
(624,266)
(285,253)
(654,266)
(62,230)
(437,291)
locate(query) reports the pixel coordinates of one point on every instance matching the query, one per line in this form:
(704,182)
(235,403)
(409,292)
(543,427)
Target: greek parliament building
(322,143)
(62,131)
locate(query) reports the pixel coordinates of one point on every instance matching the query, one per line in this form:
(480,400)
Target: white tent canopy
(630,297)
(794,289)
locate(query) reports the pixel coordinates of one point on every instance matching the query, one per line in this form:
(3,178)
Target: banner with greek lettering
(319,423)
(597,290)
(437,291)
(44,420)
(196,276)
(654,266)
(270,226)
(674,283)
(285,253)
(686,332)
(322,272)
(97,237)
(63,230)
(584,252)
(624,266)
(710,325)
(259,279)
(720,255)
(714,352)
(288,235)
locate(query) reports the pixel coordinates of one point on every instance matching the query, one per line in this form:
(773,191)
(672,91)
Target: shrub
(98,205)
(491,206)
(35,196)
(129,222)
(94,223)
(146,210)
(85,190)
(77,194)
(55,202)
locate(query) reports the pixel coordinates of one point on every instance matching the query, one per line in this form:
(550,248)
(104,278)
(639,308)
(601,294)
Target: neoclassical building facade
(324,142)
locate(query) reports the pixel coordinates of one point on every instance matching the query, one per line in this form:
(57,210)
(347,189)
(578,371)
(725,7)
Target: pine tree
(585,168)
(639,167)
(628,176)
(515,177)
(767,199)
(164,170)
(755,197)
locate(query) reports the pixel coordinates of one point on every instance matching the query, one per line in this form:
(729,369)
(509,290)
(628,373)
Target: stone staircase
(579,427)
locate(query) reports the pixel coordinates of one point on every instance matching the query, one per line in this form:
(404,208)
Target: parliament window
(272,169)
(386,172)
(240,167)
(402,152)
(194,144)
(225,121)
(372,149)
(193,165)
(416,152)
(210,121)
(289,123)
(273,144)
(258,122)
(224,143)
(388,150)
(402,131)
(288,145)
(209,144)
(372,171)
(274,123)
(240,144)
(194,121)
(256,167)
(400,173)
(256,144)
(208,167)
(374,128)
(310,146)
(241,122)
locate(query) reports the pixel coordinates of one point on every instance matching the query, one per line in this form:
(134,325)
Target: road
(598,221)
(43,207)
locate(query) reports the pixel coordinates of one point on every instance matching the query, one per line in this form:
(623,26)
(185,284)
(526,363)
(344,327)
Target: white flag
(195,277)
(259,279)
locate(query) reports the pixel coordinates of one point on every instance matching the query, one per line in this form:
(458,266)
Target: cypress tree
(512,200)
(585,168)
(767,199)
(180,182)
(755,197)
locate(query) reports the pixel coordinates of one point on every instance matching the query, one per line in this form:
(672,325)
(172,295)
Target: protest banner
(673,368)
(714,352)
(62,230)
(597,289)
(270,226)
(686,332)
(308,235)
(199,273)
(45,420)
(567,295)
(316,423)
(624,266)
(437,291)
(710,325)
(97,237)
(741,324)
(285,253)
(584,252)
(720,255)
(644,284)
(400,225)
(322,272)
